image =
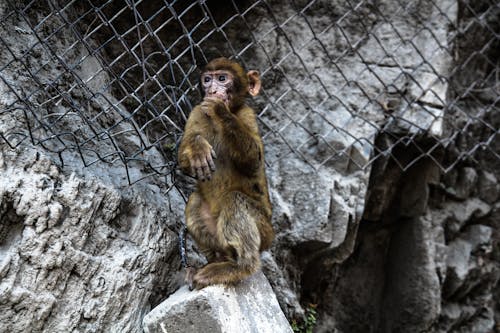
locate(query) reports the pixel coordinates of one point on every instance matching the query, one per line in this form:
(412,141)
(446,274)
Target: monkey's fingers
(211,162)
(200,281)
(216,104)
(200,174)
(213,100)
(199,170)
(207,108)
(193,170)
(206,171)
(209,104)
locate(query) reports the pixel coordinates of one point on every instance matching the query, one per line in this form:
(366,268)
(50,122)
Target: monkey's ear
(253,83)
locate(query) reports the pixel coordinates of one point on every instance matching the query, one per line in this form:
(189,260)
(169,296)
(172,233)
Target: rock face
(251,307)
(362,103)
(319,167)
(77,254)
(80,250)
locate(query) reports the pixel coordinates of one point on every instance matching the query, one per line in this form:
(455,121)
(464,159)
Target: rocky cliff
(380,122)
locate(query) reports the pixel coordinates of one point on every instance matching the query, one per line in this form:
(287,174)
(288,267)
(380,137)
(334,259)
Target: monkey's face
(218,84)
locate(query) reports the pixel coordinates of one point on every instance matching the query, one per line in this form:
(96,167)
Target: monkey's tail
(226,272)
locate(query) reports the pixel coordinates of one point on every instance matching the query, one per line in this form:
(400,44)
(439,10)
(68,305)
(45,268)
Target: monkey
(229,213)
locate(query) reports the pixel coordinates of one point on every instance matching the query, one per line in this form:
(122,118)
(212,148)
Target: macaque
(229,214)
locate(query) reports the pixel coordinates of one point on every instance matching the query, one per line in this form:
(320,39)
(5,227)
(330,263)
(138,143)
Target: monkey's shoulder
(247,116)
(246,111)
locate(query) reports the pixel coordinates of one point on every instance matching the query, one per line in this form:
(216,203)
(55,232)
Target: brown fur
(229,215)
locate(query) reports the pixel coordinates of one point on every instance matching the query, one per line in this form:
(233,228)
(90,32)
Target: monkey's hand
(200,156)
(214,106)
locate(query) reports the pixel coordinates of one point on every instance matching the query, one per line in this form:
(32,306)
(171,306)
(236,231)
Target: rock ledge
(251,306)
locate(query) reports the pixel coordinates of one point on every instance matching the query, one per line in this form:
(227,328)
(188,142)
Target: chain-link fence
(114,81)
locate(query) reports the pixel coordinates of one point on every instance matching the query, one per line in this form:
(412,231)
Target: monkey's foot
(201,280)
(226,272)
(198,278)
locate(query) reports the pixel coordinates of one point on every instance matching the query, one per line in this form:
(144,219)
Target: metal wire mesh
(113,81)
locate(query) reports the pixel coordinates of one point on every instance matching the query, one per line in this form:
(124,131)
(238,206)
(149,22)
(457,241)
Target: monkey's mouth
(223,97)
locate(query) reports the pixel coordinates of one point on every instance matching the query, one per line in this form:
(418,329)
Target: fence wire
(344,82)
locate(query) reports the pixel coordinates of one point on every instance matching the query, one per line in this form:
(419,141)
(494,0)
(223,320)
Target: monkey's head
(227,80)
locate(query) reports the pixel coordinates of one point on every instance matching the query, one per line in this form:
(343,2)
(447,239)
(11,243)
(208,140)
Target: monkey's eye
(222,78)
(207,79)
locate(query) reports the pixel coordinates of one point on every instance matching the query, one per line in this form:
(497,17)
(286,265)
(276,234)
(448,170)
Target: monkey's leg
(238,236)
(201,226)
(263,220)
(266,232)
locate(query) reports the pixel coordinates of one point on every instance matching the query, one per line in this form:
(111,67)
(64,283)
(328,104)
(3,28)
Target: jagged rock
(465,268)
(250,306)
(461,183)
(488,187)
(478,236)
(303,196)
(289,301)
(482,322)
(466,182)
(320,203)
(460,250)
(459,213)
(467,318)
(458,258)
(451,312)
(76,250)
(412,278)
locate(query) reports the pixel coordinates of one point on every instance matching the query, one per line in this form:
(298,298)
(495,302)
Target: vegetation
(307,325)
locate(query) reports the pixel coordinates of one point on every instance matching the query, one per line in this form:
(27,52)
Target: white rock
(251,306)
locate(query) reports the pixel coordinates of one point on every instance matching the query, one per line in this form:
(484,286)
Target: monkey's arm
(240,134)
(195,153)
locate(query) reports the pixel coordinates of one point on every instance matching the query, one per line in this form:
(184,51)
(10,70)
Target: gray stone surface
(250,306)
(488,187)
(327,127)
(80,251)
(77,253)
(466,183)
(411,278)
